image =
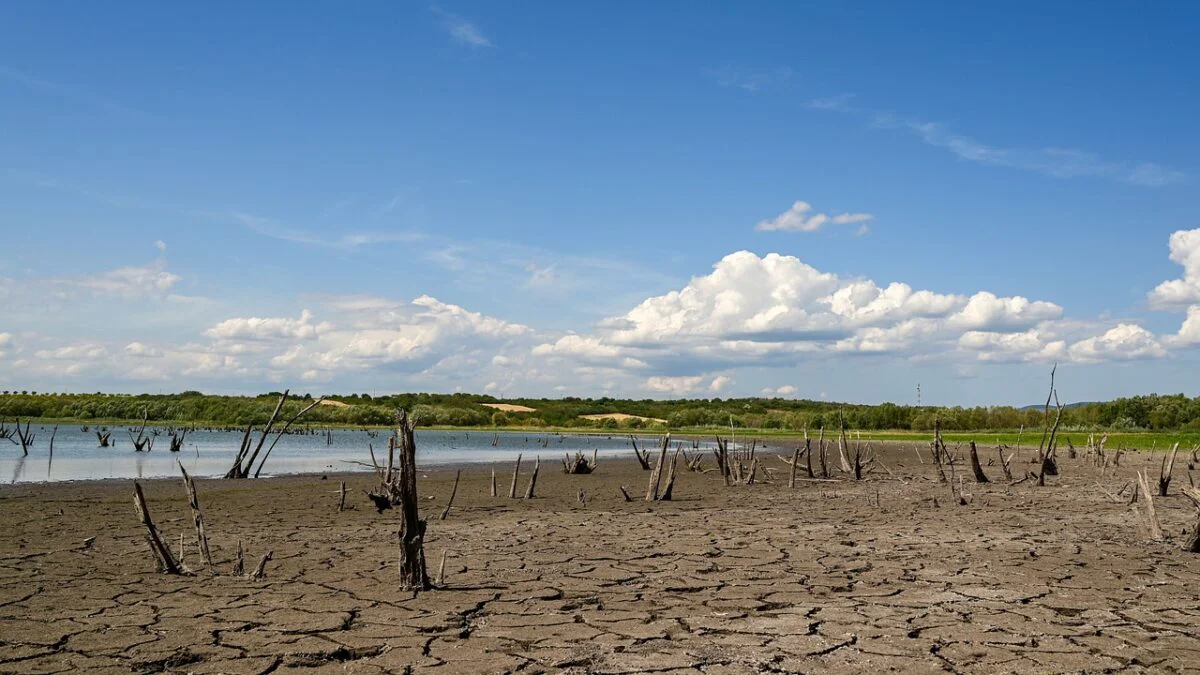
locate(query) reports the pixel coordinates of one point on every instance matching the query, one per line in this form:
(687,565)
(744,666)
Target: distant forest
(1152,412)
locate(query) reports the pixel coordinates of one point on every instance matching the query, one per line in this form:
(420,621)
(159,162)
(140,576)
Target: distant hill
(1040,406)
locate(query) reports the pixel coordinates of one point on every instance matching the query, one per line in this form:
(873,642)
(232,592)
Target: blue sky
(832,200)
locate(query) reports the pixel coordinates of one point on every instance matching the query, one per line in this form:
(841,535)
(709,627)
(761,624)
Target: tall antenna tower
(918,394)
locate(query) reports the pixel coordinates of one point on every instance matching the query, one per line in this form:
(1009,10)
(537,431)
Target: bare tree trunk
(413,575)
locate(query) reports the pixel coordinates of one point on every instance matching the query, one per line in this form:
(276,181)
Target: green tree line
(1151,412)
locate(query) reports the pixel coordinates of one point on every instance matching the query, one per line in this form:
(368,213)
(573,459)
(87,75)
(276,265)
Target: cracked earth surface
(844,577)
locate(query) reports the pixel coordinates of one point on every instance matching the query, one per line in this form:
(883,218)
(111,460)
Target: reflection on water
(76,455)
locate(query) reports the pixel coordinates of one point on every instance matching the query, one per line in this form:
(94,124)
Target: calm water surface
(210,453)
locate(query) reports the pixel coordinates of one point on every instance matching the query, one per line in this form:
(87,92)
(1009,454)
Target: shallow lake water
(77,455)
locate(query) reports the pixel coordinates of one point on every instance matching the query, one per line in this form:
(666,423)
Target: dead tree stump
(413,575)
(980,476)
(512,488)
(198,517)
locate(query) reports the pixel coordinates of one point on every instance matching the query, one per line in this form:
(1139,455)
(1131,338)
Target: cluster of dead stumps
(813,460)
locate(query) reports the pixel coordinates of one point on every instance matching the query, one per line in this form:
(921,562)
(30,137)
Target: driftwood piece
(453,491)
(198,517)
(413,575)
(163,557)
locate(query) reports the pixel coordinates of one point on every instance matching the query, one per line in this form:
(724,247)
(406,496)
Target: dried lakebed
(831,576)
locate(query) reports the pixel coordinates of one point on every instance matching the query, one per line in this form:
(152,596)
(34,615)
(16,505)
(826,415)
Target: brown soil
(836,576)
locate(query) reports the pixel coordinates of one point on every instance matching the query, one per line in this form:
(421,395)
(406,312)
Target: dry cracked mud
(841,576)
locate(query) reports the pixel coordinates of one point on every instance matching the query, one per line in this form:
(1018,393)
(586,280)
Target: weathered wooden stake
(453,491)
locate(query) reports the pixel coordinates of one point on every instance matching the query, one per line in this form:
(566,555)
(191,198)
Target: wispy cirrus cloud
(70,93)
(1055,161)
(801,218)
(269,227)
(1051,161)
(461,30)
(752,81)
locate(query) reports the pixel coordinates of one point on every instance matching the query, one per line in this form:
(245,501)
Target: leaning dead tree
(197,517)
(163,557)
(413,575)
(103,436)
(244,461)
(643,458)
